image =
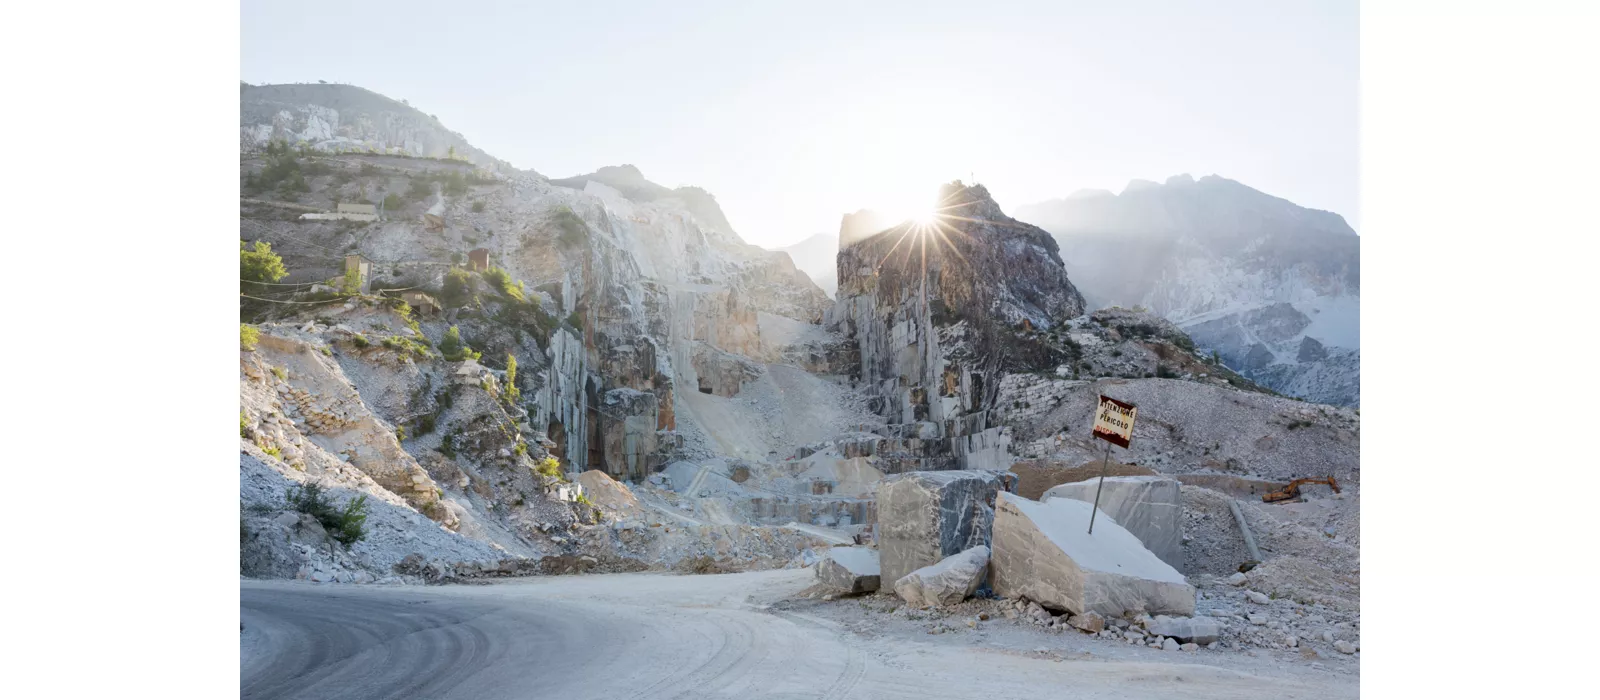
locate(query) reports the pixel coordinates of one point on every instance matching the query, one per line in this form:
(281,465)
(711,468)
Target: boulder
(1090,622)
(1200,630)
(946,583)
(1150,507)
(1043,552)
(607,492)
(924,517)
(849,569)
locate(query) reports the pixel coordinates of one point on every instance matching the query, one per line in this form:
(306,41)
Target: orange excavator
(1292,491)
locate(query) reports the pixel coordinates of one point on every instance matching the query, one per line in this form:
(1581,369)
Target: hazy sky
(792,115)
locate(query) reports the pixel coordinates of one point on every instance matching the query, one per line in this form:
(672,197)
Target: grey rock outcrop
(849,569)
(1043,552)
(940,312)
(924,517)
(946,583)
(1150,507)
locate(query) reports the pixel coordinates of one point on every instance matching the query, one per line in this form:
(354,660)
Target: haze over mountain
(1272,287)
(816,256)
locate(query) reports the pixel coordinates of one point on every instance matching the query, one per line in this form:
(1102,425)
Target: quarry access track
(651,636)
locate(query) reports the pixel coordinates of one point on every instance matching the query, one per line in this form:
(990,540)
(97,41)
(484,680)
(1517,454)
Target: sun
(925,217)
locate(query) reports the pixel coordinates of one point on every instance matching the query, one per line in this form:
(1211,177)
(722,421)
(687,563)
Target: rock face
(924,517)
(940,312)
(946,583)
(1042,552)
(1150,507)
(1248,275)
(849,569)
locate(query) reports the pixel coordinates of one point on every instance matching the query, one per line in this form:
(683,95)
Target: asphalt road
(649,636)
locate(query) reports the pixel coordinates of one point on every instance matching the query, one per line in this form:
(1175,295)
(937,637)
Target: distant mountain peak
(1090,193)
(1247,274)
(1138,185)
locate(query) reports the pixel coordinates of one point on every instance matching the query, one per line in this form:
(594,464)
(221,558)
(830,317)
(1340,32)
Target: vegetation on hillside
(260,264)
(453,349)
(347,524)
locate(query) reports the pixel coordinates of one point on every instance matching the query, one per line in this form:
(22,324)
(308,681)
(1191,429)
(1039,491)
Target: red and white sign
(1113,421)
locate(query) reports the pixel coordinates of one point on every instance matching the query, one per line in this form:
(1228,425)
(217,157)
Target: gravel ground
(728,636)
(983,625)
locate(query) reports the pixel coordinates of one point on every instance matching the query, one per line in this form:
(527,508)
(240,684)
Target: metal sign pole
(1104,464)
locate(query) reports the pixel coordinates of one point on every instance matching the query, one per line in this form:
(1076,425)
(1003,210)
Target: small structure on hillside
(478,259)
(346,211)
(358,268)
(420,302)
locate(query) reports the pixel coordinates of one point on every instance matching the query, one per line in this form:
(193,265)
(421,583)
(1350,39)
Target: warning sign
(1113,421)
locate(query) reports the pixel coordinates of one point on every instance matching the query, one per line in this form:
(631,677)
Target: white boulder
(1200,630)
(849,569)
(924,517)
(1043,552)
(1150,507)
(947,582)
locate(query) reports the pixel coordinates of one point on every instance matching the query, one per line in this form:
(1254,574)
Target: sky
(793,114)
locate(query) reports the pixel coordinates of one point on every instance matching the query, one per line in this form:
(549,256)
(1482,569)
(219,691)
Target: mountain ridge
(1231,265)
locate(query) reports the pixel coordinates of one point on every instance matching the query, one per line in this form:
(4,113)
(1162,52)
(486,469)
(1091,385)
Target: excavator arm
(1292,491)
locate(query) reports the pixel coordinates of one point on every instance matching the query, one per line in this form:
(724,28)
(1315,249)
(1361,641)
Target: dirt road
(656,636)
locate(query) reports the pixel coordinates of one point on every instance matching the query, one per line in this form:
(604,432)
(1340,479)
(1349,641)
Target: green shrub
(457,289)
(576,320)
(351,284)
(280,373)
(478,206)
(453,349)
(393,202)
(1165,372)
(549,466)
(347,525)
(420,189)
(244,426)
(512,392)
(368,169)
(282,171)
(361,340)
(500,280)
(404,346)
(260,264)
(275,452)
(400,433)
(455,184)
(570,227)
(248,336)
